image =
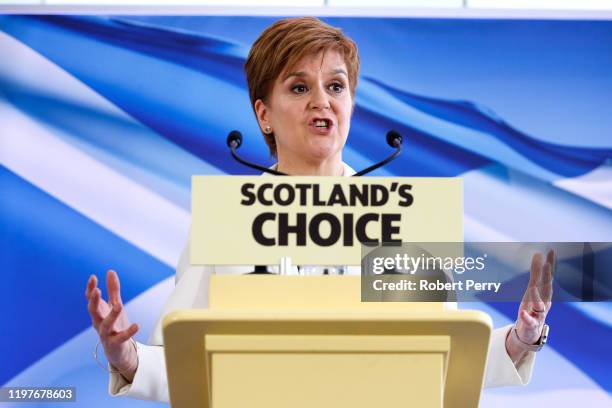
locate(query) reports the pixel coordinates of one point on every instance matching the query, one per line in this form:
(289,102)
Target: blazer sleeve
(150,381)
(500,370)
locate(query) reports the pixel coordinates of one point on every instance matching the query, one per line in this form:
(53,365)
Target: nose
(319,99)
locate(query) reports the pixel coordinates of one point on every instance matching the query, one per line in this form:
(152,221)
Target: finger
(125,334)
(93,308)
(535,300)
(528,320)
(537,308)
(550,259)
(531,295)
(533,303)
(536,267)
(546,288)
(106,327)
(92,283)
(114,288)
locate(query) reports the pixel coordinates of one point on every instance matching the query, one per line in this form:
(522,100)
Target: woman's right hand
(111,322)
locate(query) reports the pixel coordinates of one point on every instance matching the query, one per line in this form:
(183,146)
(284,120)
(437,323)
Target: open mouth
(322,123)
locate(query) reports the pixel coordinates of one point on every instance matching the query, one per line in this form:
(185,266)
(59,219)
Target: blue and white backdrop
(103,119)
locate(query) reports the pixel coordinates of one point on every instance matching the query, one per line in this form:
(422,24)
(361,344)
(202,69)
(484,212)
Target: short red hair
(282,45)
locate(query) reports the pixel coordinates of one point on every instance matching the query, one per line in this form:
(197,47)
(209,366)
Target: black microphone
(394,139)
(234,140)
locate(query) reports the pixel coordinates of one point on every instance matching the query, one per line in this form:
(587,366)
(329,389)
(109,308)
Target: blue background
(514,107)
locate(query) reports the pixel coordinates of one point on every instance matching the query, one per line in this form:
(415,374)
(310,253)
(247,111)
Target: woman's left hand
(534,306)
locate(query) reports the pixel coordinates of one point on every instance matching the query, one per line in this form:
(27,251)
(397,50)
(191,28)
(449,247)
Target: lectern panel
(268,343)
(306,380)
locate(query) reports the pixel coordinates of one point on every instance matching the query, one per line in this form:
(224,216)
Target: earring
(267,129)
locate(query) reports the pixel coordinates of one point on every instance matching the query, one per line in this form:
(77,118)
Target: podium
(308,341)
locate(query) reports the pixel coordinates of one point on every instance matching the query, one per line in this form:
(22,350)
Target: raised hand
(535,304)
(111,322)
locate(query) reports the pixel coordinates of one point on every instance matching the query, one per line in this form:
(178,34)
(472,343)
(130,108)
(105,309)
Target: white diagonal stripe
(140,216)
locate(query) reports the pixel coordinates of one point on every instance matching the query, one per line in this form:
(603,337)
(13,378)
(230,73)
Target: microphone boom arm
(255,166)
(379,164)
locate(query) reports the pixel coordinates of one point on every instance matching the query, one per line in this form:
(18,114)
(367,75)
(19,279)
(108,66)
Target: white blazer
(191,292)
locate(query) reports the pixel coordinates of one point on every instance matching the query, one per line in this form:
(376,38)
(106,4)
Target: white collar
(346,172)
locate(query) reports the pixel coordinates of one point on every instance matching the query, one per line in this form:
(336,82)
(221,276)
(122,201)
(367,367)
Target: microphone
(234,140)
(394,139)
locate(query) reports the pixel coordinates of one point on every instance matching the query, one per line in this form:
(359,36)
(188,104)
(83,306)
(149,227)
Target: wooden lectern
(309,341)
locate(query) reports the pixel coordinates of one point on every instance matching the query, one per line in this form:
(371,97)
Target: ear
(261,111)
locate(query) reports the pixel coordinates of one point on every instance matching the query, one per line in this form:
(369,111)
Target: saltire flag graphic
(103,120)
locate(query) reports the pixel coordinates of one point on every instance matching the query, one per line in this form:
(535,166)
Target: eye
(299,89)
(336,87)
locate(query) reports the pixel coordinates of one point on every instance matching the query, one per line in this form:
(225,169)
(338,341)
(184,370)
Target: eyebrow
(302,74)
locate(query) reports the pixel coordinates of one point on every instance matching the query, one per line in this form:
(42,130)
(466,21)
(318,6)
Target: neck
(331,167)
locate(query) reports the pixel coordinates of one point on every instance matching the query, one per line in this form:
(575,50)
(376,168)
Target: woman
(302,75)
